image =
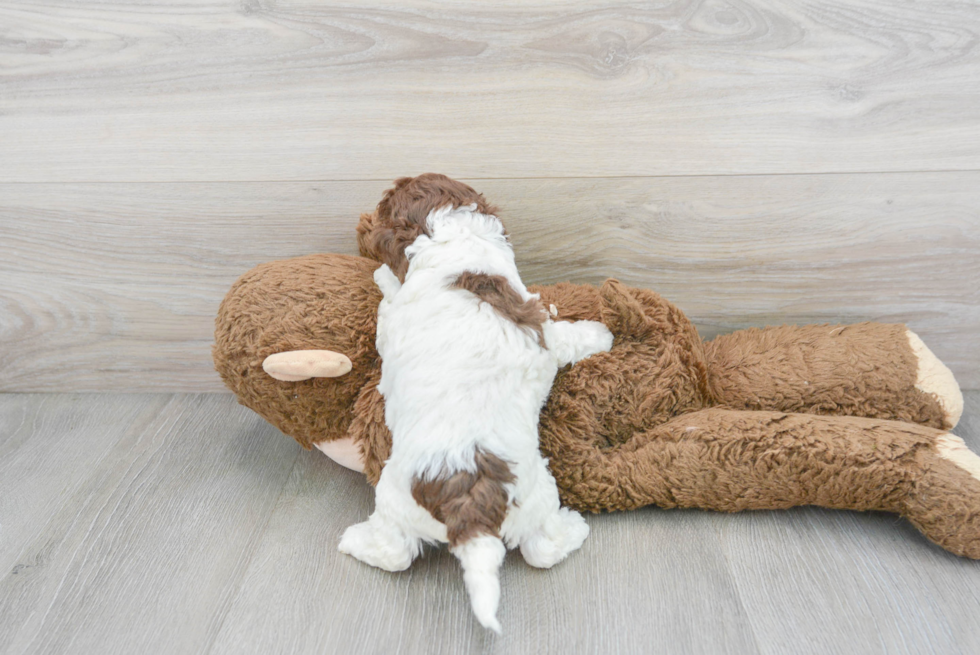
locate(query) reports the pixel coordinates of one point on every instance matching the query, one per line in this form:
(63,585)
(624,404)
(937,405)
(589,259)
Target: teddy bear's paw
(374,545)
(934,377)
(952,448)
(562,533)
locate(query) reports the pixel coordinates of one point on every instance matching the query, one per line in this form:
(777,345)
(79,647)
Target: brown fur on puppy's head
(400,217)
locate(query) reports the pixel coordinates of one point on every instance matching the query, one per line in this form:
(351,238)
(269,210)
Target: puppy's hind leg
(381,543)
(571,342)
(547,532)
(562,532)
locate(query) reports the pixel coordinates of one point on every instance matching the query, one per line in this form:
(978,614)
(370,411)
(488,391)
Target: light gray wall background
(756,162)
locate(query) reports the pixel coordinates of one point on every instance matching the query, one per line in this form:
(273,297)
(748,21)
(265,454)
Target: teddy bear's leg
(869,369)
(935,379)
(297,365)
(731,460)
(944,504)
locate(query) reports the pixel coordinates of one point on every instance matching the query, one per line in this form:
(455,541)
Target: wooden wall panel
(299,90)
(115,286)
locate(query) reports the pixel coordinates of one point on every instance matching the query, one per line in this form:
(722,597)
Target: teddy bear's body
(758,419)
(851,417)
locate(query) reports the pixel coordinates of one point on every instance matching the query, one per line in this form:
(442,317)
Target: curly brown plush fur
(758,419)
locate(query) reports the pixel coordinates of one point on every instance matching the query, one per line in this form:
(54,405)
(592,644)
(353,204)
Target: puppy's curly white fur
(468,360)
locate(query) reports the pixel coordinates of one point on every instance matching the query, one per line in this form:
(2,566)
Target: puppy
(468,360)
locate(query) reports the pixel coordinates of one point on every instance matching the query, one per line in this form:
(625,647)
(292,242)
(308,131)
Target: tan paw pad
(952,448)
(934,377)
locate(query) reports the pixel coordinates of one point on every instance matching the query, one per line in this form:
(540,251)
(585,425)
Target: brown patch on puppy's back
(496,291)
(468,503)
(400,217)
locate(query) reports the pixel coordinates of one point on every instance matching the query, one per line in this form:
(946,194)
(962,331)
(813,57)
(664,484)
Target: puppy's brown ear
(383,240)
(401,216)
(394,205)
(412,198)
(389,243)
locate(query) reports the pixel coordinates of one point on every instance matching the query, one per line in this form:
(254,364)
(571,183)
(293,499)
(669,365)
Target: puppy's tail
(481,558)
(472,505)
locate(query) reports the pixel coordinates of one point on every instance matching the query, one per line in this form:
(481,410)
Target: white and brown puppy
(468,360)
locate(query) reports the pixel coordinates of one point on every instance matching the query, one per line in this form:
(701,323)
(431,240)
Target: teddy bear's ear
(296,365)
(365,228)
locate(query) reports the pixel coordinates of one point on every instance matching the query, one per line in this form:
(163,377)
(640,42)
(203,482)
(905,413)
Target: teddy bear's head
(322,302)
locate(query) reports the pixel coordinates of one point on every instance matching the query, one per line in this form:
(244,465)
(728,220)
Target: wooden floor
(185,524)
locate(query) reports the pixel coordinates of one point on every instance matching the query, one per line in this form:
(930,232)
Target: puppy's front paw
(593,337)
(571,342)
(387,281)
(589,338)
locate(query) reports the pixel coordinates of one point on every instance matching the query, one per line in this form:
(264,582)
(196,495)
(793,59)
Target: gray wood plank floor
(153,523)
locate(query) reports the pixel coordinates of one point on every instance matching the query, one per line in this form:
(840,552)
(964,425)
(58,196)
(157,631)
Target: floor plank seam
(95,520)
(733,580)
(259,534)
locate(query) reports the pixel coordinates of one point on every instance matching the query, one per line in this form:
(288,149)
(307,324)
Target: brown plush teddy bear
(849,417)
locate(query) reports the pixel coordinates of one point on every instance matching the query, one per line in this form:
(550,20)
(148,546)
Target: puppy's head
(401,215)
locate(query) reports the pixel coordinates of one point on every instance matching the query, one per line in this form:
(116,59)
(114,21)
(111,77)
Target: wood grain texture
(615,595)
(39,474)
(186,524)
(115,286)
(144,551)
(298,90)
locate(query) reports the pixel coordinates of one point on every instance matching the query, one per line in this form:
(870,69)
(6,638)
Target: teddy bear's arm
(868,369)
(728,460)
